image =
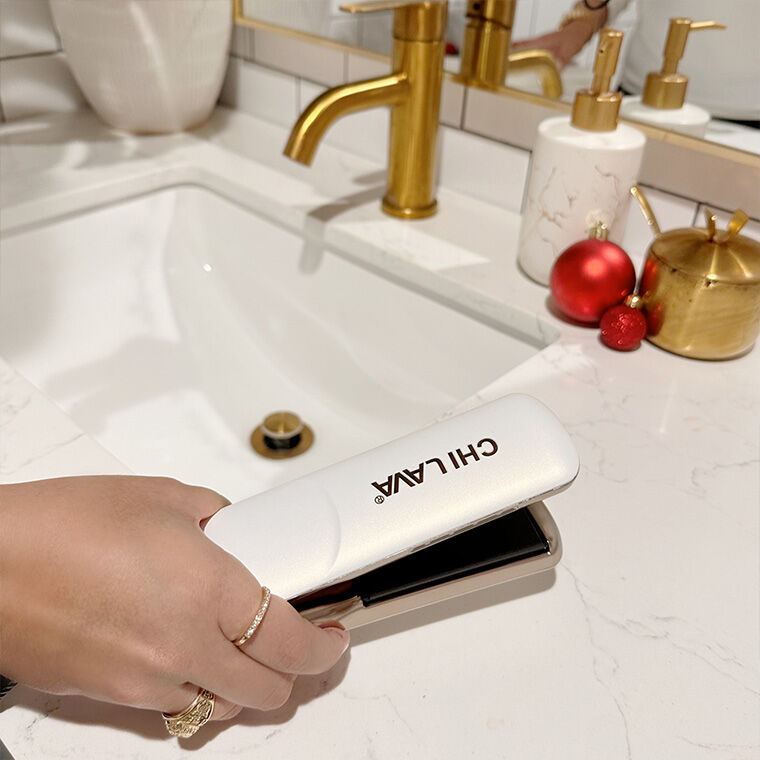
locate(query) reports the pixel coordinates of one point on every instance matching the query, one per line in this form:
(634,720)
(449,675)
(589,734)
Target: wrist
(582,18)
(580,31)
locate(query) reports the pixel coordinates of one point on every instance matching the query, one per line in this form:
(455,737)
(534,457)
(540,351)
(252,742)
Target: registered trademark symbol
(379,499)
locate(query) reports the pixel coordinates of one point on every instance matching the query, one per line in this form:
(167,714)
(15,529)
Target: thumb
(197,502)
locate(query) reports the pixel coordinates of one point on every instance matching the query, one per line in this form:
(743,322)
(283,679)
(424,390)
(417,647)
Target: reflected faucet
(413,92)
(485,49)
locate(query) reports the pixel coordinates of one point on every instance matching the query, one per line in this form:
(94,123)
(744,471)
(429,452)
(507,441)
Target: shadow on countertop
(148,724)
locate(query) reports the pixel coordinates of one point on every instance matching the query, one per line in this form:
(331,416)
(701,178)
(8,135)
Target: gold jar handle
(646,209)
(738,220)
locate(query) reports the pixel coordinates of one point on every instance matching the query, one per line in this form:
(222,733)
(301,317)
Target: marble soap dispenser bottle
(581,171)
(662,101)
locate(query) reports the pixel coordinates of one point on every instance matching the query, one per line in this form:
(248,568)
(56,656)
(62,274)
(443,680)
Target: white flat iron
(447,510)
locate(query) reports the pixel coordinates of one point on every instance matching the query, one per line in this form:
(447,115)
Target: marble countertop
(643,643)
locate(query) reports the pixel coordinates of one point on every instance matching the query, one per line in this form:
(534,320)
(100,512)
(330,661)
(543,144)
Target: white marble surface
(642,644)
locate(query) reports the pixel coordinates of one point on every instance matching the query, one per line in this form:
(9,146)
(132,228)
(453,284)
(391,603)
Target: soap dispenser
(581,171)
(662,103)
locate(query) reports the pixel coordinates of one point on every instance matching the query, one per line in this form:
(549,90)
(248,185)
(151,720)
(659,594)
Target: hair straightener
(441,512)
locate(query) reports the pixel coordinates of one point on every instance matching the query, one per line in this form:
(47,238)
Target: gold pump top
(666,89)
(717,255)
(596,109)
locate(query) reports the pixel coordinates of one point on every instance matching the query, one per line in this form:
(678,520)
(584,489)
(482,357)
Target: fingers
(520,44)
(286,642)
(261,673)
(201,503)
(183,696)
(197,502)
(237,678)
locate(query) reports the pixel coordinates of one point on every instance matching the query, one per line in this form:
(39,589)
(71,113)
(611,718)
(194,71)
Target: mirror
(551,51)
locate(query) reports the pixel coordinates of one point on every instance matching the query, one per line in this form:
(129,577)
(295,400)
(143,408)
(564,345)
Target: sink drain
(282,435)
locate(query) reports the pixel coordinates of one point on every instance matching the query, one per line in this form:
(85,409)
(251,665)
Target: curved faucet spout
(322,111)
(543,62)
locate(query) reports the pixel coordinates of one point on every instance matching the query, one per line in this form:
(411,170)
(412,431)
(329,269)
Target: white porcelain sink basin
(169,325)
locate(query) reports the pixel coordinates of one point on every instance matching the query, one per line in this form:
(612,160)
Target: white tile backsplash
(37,84)
(504,119)
(547,14)
(260,91)
(26,28)
(241,43)
(523,23)
(34,75)
(483,169)
(320,63)
(452,103)
(376,32)
(364,67)
(345,30)
(307,91)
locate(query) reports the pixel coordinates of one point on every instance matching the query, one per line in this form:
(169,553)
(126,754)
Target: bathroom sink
(169,325)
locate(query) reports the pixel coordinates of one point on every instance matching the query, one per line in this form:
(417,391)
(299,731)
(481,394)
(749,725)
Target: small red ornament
(590,276)
(624,326)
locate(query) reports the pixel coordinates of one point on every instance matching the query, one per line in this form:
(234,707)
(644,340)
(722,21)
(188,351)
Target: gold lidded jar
(700,290)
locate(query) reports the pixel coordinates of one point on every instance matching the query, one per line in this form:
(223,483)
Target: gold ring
(186,722)
(256,622)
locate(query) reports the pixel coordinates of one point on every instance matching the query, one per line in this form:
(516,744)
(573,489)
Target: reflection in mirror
(718,73)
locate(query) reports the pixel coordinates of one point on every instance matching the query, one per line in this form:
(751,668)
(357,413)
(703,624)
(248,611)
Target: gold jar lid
(717,255)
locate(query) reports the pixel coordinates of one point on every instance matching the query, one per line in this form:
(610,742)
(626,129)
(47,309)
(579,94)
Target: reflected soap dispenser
(581,170)
(662,103)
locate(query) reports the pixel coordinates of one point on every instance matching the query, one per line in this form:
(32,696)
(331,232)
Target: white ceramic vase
(147,65)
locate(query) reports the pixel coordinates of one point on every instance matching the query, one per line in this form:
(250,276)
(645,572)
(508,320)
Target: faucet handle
(413,20)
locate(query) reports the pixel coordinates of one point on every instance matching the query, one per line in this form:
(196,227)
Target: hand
(563,44)
(110,589)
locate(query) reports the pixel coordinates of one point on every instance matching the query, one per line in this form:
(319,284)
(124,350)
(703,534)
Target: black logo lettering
(412,477)
(470,453)
(492,443)
(385,488)
(417,475)
(438,462)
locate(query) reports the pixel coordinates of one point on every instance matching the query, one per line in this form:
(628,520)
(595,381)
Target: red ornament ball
(623,328)
(589,277)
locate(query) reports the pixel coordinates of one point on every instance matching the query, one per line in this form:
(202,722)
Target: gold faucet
(485,49)
(413,91)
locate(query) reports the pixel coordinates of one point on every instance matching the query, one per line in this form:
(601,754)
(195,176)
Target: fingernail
(344,636)
(332,624)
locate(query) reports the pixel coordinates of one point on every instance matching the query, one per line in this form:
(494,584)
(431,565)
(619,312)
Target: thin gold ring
(186,722)
(256,622)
